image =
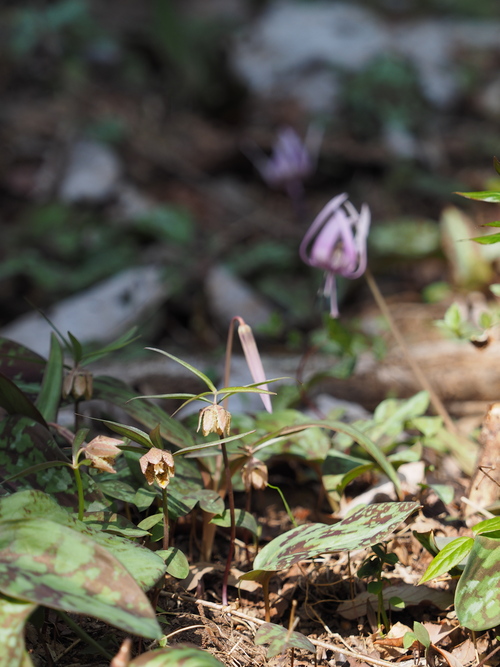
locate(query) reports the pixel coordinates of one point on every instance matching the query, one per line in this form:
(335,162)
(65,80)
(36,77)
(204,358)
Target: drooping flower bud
(157,465)
(254,474)
(214,419)
(78,383)
(102,452)
(254,361)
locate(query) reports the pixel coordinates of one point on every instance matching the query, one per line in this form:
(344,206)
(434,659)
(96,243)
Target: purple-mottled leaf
(16,402)
(280,640)
(13,616)
(477,597)
(44,562)
(21,365)
(361,529)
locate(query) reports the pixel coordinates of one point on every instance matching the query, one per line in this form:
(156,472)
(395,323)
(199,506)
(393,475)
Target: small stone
(92,174)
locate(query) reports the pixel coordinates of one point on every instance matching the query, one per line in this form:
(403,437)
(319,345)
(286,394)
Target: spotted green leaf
(243,520)
(145,566)
(280,640)
(449,557)
(44,562)
(185,656)
(13,615)
(477,597)
(361,529)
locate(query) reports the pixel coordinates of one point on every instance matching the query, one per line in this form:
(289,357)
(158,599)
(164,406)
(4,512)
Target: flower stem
(166,527)
(79,488)
(230,497)
(420,376)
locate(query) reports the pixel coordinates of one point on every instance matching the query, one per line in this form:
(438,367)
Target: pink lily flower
(336,243)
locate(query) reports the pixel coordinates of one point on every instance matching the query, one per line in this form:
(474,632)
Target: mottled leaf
(44,562)
(112,523)
(144,565)
(13,616)
(361,529)
(477,597)
(21,365)
(185,656)
(16,402)
(280,640)
(146,413)
(449,557)
(175,561)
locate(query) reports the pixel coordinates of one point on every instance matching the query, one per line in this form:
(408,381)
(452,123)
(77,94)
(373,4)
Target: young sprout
(336,243)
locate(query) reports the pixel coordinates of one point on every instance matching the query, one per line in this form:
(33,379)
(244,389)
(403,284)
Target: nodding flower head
(336,243)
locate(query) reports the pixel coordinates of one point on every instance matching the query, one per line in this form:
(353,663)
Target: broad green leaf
(13,616)
(484,195)
(112,523)
(16,402)
(49,398)
(175,561)
(487,526)
(409,639)
(477,597)
(150,521)
(144,565)
(21,365)
(243,520)
(445,492)
(44,562)
(449,557)
(361,529)
(280,640)
(146,413)
(185,656)
(422,634)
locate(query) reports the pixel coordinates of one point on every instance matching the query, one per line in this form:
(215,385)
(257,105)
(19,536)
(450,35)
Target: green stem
(287,506)
(79,488)
(420,376)
(166,526)
(83,635)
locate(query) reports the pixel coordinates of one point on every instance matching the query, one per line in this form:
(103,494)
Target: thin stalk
(166,526)
(83,635)
(420,376)
(230,497)
(79,488)
(287,506)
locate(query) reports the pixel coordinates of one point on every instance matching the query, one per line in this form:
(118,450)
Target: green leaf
(130,432)
(19,364)
(487,526)
(13,616)
(489,239)
(175,561)
(361,529)
(445,492)
(184,656)
(121,342)
(243,520)
(408,639)
(477,597)
(375,587)
(146,413)
(421,634)
(194,370)
(280,640)
(49,398)
(449,557)
(44,562)
(485,195)
(150,521)
(397,602)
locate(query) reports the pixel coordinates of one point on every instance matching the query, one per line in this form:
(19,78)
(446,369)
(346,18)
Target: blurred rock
(99,314)
(293,43)
(92,173)
(489,99)
(229,296)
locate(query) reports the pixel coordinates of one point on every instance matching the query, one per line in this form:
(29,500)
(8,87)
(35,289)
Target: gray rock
(99,314)
(92,173)
(229,296)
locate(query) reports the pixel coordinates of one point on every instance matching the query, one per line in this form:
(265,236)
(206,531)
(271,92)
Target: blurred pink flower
(336,243)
